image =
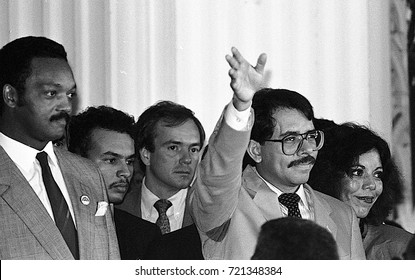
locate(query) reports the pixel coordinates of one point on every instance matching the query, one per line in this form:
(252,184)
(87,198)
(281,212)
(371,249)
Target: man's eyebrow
(109,153)
(289,132)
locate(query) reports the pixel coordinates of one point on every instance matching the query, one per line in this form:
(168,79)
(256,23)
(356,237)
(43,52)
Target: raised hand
(245,79)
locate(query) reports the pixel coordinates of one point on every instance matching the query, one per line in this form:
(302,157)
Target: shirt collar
(23,155)
(300,190)
(148,198)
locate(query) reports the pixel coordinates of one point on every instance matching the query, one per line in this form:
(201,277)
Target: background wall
(131,53)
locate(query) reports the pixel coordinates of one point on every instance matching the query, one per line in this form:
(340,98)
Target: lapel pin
(85,200)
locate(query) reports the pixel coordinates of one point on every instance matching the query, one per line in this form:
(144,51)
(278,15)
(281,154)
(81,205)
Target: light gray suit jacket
(230,207)
(28,232)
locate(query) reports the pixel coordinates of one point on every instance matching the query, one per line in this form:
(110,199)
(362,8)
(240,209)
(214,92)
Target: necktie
(61,214)
(161,206)
(290,200)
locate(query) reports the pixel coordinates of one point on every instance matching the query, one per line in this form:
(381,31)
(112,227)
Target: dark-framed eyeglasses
(292,143)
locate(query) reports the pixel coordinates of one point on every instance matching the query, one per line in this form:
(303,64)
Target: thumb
(260,64)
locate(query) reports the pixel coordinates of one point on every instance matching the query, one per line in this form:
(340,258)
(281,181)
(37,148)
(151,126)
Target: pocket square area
(102,208)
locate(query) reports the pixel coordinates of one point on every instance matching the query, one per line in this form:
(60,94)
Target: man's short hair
(293,238)
(267,101)
(80,127)
(168,113)
(16,58)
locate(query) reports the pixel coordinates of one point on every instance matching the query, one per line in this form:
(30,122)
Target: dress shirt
(303,205)
(238,120)
(25,159)
(175,213)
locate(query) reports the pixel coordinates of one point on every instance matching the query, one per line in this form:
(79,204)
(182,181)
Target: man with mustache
(105,136)
(168,140)
(52,203)
(274,127)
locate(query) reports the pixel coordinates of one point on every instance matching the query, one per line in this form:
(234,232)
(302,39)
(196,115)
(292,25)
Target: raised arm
(245,79)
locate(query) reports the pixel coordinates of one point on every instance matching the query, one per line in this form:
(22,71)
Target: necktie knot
(163,222)
(42,157)
(162,205)
(290,200)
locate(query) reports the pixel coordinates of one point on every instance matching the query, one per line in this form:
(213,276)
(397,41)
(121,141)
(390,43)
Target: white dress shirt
(175,213)
(25,159)
(238,120)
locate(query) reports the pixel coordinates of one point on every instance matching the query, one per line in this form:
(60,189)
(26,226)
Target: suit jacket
(181,244)
(135,235)
(385,242)
(230,207)
(28,232)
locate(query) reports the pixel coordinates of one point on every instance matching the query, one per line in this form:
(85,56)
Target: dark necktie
(163,221)
(61,214)
(290,200)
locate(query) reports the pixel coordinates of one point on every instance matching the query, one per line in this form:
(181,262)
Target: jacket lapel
(21,198)
(263,197)
(322,211)
(83,212)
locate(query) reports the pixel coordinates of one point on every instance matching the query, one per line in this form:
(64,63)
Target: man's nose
(124,170)
(65,104)
(186,157)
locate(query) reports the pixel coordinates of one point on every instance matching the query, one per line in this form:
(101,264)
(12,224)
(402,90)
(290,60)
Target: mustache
(308,159)
(61,115)
(116,184)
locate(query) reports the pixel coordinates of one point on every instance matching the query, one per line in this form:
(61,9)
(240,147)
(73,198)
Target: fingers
(232,62)
(260,65)
(237,55)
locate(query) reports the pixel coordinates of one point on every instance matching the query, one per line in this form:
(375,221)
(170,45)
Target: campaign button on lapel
(85,200)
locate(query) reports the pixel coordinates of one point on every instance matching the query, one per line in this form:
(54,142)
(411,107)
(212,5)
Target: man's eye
(195,150)
(312,135)
(110,160)
(290,139)
(71,94)
(130,161)
(50,93)
(173,148)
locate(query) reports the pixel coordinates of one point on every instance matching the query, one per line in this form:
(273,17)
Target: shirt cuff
(237,120)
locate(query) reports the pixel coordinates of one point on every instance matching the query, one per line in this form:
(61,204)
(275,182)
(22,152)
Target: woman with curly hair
(355,166)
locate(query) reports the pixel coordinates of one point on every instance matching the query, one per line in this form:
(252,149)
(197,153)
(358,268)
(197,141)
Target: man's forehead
(291,121)
(186,131)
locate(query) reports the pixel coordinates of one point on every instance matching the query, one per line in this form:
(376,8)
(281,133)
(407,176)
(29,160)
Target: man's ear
(145,156)
(10,96)
(254,151)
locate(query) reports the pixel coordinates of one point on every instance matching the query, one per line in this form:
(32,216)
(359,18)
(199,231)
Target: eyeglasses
(291,144)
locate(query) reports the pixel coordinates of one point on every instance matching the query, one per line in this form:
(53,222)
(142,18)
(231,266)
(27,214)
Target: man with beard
(275,128)
(168,140)
(53,204)
(105,136)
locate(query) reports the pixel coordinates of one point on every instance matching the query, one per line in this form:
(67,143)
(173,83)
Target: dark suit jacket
(135,235)
(182,244)
(28,232)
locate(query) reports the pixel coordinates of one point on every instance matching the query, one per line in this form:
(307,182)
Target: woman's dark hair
(342,148)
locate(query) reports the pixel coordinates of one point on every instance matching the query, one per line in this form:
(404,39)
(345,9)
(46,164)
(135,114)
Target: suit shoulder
(80,163)
(333,202)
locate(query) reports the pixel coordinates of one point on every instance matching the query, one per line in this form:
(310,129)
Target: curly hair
(16,58)
(80,127)
(343,146)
